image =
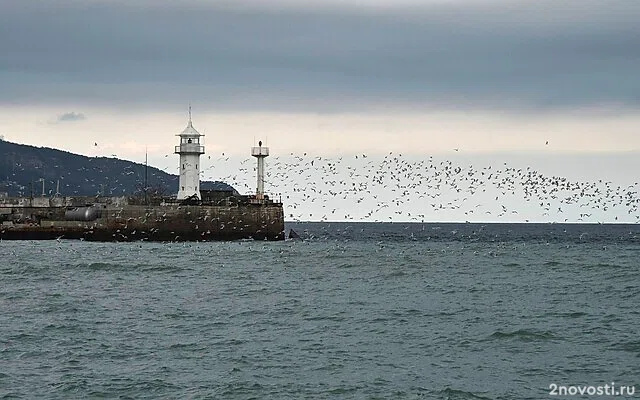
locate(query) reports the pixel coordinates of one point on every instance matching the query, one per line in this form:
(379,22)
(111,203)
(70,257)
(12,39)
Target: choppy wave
(595,234)
(630,346)
(456,394)
(370,317)
(526,335)
(126,266)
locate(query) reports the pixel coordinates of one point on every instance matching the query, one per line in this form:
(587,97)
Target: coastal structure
(260,153)
(191,215)
(189,150)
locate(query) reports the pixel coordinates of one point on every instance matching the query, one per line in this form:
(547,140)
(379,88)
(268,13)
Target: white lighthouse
(260,153)
(189,150)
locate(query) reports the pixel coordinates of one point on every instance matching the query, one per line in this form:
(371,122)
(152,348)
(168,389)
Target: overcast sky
(522,55)
(323,77)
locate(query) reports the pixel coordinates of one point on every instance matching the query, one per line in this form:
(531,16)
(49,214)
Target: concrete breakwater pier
(112,219)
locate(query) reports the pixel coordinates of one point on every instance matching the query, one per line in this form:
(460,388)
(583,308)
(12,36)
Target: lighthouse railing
(189,148)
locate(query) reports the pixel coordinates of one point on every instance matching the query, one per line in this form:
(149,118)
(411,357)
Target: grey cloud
(71,116)
(468,54)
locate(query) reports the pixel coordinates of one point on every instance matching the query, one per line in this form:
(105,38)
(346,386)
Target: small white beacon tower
(189,150)
(260,153)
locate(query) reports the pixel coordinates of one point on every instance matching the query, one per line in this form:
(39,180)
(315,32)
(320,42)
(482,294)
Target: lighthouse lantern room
(189,150)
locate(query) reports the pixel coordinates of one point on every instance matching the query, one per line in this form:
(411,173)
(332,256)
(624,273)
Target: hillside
(23,167)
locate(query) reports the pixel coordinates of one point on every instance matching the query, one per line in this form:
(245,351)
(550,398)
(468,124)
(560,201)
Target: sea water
(352,311)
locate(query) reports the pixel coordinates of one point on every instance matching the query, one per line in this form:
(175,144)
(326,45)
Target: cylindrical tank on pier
(83,214)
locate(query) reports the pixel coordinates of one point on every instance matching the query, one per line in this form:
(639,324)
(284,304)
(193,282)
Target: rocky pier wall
(109,222)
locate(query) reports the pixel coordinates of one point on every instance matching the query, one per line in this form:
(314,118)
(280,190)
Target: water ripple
(373,316)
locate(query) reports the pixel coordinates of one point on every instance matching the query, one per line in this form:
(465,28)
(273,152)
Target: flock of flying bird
(398,188)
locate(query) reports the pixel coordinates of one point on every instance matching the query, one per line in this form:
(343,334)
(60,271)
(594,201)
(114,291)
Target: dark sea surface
(353,311)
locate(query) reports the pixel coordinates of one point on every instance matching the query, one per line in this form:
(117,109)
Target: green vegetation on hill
(23,167)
